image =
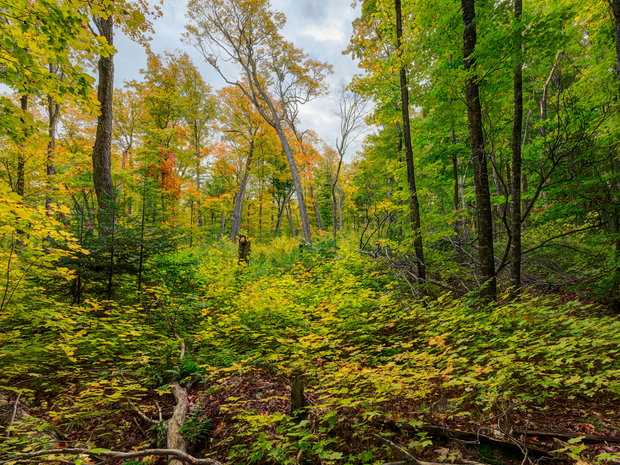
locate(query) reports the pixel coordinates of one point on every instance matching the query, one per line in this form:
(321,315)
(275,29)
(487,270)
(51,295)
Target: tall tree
(277,76)
(413,192)
(351,113)
(476,138)
(517,124)
(102,149)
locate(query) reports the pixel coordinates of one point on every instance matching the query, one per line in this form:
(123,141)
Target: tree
(481,180)
(277,76)
(134,23)
(413,192)
(351,112)
(515,198)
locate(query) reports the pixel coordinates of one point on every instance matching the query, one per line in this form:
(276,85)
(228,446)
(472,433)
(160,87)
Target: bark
(481,177)
(102,150)
(615,7)
(333,197)
(197,150)
(238,210)
(515,198)
(53,111)
(413,193)
(21,161)
(301,201)
(316,209)
(174,437)
(289,215)
(222,224)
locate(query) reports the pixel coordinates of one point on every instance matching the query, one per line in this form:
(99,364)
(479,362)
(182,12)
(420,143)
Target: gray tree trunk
(515,198)
(476,137)
(238,210)
(413,193)
(102,150)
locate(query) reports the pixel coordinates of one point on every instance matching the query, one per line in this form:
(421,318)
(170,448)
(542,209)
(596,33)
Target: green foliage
(197,427)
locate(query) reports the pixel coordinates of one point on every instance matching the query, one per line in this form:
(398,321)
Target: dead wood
(569,435)
(181,457)
(410,459)
(174,436)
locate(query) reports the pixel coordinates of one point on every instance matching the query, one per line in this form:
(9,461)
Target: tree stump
(298,401)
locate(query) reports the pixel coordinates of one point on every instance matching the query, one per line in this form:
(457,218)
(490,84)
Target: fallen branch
(8,430)
(110,454)
(568,435)
(142,415)
(409,459)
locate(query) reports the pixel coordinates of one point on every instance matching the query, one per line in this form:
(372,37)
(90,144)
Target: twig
(159,410)
(142,415)
(8,430)
(409,458)
(116,455)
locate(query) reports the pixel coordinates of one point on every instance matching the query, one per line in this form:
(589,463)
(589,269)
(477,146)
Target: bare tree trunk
(303,211)
(102,150)
(222,223)
(53,110)
(197,150)
(174,436)
(413,193)
(515,199)
(615,7)
(238,210)
(21,161)
(281,211)
(332,191)
(289,215)
(481,178)
(316,209)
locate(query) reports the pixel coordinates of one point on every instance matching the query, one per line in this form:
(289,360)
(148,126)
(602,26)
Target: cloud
(326,34)
(313,11)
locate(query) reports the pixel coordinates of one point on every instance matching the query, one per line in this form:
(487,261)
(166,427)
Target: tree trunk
(102,150)
(515,198)
(53,110)
(615,7)
(303,212)
(238,210)
(413,193)
(174,436)
(316,209)
(481,177)
(222,224)
(334,209)
(21,161)
(289,215)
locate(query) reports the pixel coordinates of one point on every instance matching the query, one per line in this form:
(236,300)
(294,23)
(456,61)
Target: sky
(322,28)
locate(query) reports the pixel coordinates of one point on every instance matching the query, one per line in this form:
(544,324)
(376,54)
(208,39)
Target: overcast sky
(322,28)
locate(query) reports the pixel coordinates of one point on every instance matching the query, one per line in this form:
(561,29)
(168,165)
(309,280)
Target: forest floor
(534,380)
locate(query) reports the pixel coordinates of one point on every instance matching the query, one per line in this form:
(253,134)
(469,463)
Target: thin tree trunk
(197,150)
(515,199)
(222,223)
(481,178)
(413,193)
(53,110)
(102,150)
(615,7)
(21,160)
(334,209)
(316,209)
(303,211)
(238,210)
(290,217)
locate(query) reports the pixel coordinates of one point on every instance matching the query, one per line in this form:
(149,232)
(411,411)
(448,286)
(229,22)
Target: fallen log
(114,455)
(569,435)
